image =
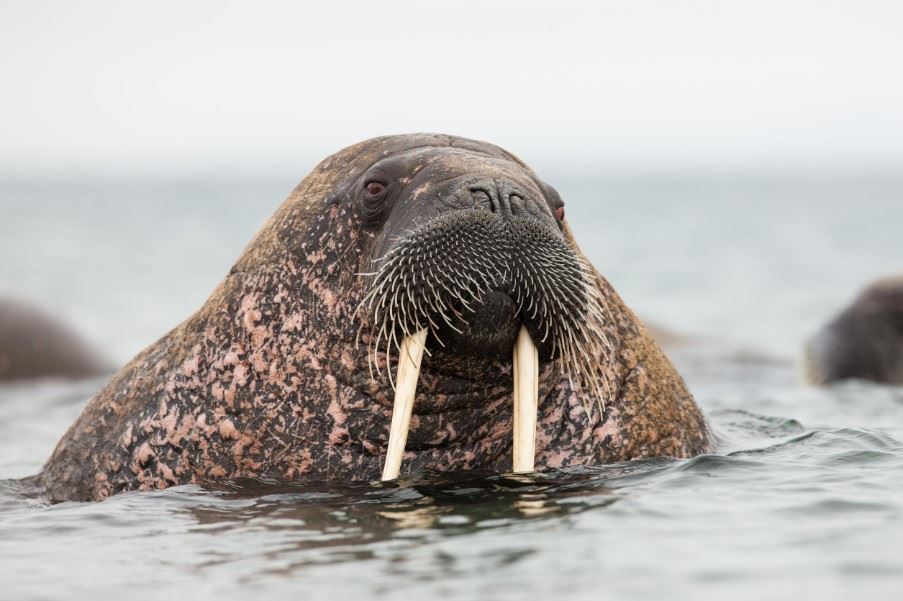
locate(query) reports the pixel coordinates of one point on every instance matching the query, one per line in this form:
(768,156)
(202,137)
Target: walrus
(421,293)
(34,344)
(864,341)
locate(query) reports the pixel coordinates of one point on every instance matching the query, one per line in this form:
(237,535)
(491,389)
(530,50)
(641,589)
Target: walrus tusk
(526,401)
(409,356)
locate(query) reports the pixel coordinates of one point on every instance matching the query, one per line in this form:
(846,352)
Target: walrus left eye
(555,203)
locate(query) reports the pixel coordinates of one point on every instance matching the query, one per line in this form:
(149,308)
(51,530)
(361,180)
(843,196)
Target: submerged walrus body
(286,371)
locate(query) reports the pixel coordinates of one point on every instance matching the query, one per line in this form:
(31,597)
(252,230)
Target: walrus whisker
(545,334)
(379,335)
(439,306)
(429,318)
(390,338)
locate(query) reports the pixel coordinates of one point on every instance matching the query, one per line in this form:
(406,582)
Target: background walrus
(286,372)
(33,344)
(864,341)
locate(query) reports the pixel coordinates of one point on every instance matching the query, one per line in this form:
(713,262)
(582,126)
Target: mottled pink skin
(269,378)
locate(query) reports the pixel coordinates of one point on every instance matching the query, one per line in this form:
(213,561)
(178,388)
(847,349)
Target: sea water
(803,497)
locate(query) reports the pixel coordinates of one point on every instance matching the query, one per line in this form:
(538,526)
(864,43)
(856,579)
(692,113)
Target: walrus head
(471,247)
(470,259)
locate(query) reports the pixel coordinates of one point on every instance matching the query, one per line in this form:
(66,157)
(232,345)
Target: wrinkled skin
(865,341)
(270,378)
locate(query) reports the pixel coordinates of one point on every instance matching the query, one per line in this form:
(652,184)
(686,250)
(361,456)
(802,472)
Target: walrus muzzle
(484,282)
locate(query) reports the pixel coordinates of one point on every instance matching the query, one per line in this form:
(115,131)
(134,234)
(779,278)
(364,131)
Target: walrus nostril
(516,203)
(482,198)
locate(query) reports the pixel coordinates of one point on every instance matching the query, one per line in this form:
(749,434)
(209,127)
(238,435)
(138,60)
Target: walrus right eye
(375,188)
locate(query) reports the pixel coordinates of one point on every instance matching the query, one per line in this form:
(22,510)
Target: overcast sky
(686,84)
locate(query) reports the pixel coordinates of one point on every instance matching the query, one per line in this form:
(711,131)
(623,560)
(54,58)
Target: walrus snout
(474,276)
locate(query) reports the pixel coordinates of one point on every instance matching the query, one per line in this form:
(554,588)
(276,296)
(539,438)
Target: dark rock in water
(865,341)
(35,345)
